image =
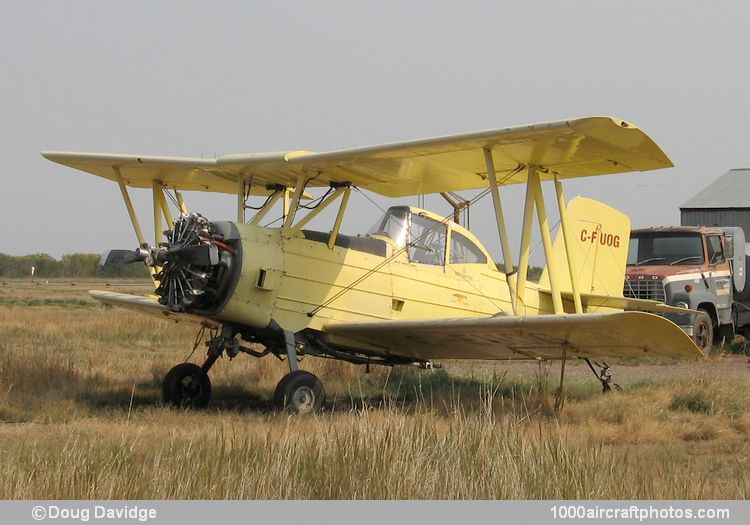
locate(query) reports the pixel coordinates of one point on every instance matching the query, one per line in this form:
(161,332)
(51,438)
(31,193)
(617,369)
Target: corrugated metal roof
(731,190)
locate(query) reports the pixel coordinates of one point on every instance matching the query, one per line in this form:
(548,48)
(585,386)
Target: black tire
(186,385)
(703,331)
(300,392)
(278,393)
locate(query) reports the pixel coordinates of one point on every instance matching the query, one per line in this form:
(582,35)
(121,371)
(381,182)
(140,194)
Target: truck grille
(644,289)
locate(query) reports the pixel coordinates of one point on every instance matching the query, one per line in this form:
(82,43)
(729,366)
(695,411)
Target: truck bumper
(683,321)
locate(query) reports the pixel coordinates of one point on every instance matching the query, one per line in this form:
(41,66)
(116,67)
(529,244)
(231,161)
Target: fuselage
(302,281)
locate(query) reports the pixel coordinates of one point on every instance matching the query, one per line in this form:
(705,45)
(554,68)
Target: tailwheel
(604,376)
(186,385)
(300,392)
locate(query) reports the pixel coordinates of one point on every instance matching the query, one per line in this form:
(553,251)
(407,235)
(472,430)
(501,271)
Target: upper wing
(572,148)
(147,305)
(180,173)
(627,334)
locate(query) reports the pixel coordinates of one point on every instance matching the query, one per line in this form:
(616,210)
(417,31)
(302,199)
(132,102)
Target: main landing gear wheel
(186,385)
(300,392)
(703,331)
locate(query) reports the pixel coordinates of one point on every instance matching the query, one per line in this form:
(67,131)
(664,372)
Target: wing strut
(568,246)
(241,198)
(510,274)
(180,202)
(161,212)
(133,217)
(272,200)
(289,217)
(535,198)
(339,218)
(158,226)
(320,207)
(541,215)
(165,208)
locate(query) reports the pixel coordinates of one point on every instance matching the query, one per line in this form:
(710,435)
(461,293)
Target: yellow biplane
(415,288)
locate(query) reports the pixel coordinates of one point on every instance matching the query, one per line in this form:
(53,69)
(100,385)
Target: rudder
(599,236)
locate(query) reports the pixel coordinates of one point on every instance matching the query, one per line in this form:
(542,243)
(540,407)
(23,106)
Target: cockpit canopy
(426,238)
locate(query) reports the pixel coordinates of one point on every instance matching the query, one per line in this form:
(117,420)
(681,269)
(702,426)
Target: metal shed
(725,202)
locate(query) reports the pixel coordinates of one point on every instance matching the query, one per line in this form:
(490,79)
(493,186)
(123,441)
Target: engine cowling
(197,264)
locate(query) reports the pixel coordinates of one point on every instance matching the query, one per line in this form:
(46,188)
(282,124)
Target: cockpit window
(463,251)
(427,240)
(392,225)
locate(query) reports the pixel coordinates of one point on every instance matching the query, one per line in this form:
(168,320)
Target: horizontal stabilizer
(592,302)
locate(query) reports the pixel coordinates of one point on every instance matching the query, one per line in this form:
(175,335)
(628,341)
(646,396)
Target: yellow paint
(546,241)
(180,202)
(572,148)
(339,218)
(393,305)
(523,258)
(501,227)
(599,239)
(312,274)
(568,243)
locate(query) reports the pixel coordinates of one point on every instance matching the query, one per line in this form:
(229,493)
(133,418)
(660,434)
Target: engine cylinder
(197,265)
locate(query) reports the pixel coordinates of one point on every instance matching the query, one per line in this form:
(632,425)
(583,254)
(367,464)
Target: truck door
(719,278)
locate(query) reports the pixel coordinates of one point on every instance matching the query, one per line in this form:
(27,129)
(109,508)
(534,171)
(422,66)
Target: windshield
(392,225)
(671,248)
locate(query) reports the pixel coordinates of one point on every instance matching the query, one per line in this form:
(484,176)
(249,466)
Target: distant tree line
(533,274)
(87,265)
(72,265)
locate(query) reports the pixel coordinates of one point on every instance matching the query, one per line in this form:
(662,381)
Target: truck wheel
(703,331)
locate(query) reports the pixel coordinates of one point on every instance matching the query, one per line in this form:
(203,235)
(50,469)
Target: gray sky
(207,78)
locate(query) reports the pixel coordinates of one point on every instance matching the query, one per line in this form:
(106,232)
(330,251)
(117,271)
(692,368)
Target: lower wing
(147,305)
(626,334)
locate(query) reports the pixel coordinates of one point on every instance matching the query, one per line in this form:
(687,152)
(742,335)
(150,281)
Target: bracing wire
(443,222)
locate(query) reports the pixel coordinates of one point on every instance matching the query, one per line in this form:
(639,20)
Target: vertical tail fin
(599,236)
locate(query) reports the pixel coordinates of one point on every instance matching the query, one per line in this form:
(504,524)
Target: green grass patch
(60,303)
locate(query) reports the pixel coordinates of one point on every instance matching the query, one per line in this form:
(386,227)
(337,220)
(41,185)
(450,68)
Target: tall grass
(81,418)
(369,454)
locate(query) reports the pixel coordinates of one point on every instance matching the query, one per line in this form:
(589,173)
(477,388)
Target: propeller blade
(201,255)
(111,257)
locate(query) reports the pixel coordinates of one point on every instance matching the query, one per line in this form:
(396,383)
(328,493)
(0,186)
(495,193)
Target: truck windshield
(673,248)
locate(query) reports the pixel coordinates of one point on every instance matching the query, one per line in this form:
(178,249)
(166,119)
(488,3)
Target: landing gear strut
(187,385)
(299,391)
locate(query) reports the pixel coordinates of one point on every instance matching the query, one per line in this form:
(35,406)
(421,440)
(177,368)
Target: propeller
(114,257)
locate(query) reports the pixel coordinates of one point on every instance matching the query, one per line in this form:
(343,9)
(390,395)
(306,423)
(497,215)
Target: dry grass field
(80,417)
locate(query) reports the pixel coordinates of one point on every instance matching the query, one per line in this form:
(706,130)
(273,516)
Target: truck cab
(692,267)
